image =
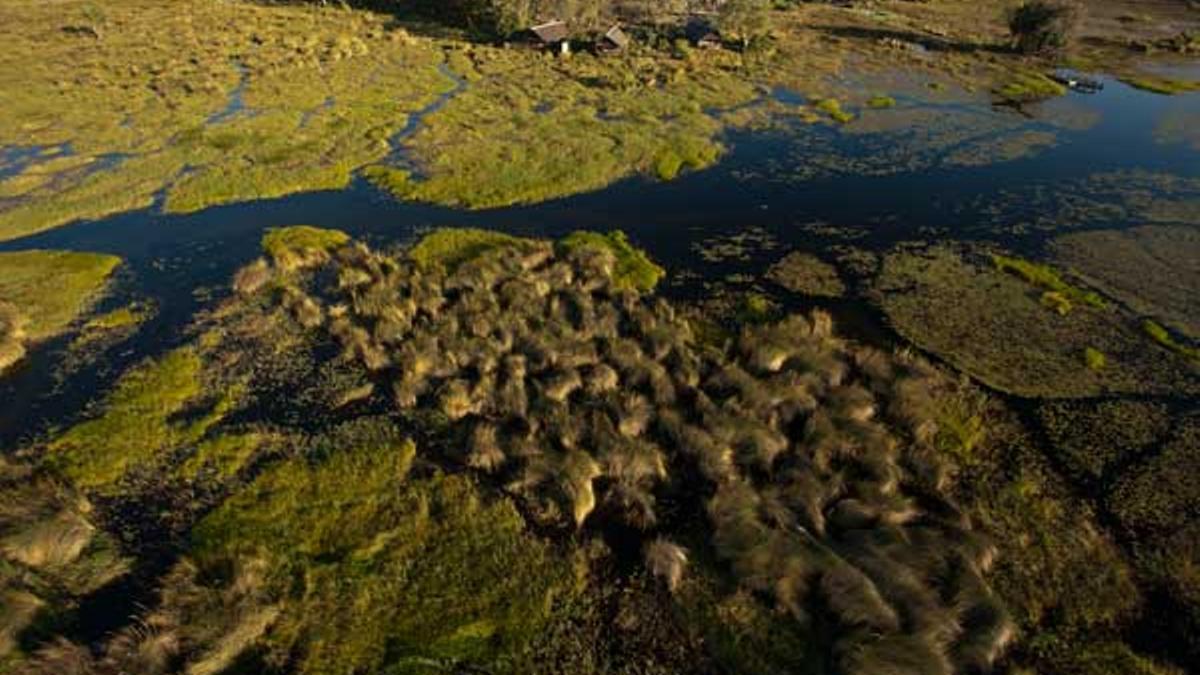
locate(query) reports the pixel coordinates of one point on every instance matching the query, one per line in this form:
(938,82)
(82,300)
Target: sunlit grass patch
(122,317)
(224,455)
(134,424)
(1160,85)
(380,571)
(1059,295)
(448,248)
(633,267)
(299,246)
(52,288)
(1027,85)
(1163,337)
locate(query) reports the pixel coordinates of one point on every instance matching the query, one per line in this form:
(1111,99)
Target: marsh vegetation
(872,350)
(487,429)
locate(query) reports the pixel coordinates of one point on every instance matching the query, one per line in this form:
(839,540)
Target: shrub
(1041,26)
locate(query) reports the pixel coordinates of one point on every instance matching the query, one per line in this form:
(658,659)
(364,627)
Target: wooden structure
(553,35)
(615,40)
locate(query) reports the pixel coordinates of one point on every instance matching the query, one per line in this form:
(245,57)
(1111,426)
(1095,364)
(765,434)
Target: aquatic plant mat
(510,455)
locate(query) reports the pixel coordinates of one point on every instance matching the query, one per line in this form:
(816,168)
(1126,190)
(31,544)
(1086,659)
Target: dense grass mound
(544,371)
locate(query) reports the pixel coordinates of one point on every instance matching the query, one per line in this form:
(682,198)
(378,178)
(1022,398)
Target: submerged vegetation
(805,273)
(1019,327)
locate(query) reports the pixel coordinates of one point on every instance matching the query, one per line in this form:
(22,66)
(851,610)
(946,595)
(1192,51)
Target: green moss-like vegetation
(378,572)
(1164,338)
(301,245)
(136,422)
(225,455)
(1094,358)
(450,247)
(880,102)
(52,288)
(122,317)
(633,269)
(833,108)
(211,103)
(1048,278)
(526,130)
(1027,86)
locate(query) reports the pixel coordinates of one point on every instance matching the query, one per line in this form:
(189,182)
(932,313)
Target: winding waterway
(874,188)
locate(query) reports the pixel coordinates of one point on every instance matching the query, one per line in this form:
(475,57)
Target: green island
(607,337)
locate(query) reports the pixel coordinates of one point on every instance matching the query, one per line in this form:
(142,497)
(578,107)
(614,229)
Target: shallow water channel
(870,186)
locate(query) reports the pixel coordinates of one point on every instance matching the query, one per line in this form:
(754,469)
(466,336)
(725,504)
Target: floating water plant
(801,272)
(984,319)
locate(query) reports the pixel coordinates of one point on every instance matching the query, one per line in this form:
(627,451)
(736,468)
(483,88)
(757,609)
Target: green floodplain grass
(52,288)
(325,92)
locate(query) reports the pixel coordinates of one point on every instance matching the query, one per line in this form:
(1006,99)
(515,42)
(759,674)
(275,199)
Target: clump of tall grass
(550,373)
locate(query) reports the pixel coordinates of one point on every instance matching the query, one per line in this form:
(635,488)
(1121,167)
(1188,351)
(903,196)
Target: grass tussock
(51,554)
(300,246)
(810,446)
(633,268)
